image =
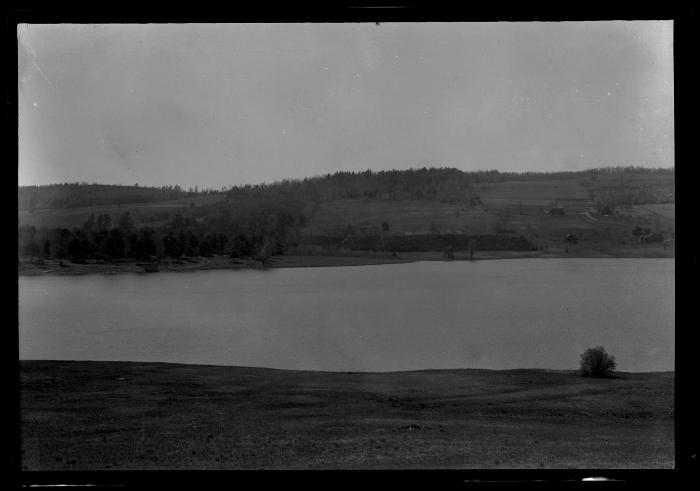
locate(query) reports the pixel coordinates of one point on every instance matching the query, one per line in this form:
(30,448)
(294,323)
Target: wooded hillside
(438,207)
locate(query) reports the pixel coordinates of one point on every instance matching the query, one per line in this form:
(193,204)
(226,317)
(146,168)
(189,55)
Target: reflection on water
(522,313)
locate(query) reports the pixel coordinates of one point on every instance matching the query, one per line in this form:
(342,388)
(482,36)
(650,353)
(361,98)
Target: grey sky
(222,104)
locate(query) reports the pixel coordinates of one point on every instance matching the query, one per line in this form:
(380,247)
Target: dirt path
(589,216)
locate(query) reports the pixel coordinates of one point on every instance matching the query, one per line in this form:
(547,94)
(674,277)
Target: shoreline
(53,268)
(300,371)
(89,415)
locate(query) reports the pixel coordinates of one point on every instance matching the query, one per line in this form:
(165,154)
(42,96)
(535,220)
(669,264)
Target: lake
(495,314)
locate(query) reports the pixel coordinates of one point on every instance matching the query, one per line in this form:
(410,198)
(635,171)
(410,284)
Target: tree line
(257,229)
(73,195)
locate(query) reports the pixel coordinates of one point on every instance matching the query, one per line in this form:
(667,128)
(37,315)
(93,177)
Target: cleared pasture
(533,191)
(403,217)
(143,213)
(665,210)
(515,217)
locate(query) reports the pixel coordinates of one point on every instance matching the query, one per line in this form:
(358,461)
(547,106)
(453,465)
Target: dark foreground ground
(123,415)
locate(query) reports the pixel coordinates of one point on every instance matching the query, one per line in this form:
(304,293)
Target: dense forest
(259,231)
(266,219)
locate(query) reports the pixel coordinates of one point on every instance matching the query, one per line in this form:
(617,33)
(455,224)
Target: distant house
(606,210)
(150,267)
(557,210)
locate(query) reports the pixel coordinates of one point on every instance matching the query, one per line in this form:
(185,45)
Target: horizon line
(383,171)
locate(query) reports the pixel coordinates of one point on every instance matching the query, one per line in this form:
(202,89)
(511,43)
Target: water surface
(497,314)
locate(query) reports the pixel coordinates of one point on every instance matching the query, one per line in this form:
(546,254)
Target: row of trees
(92,241)
(116,243)
(433,184)
(259,229)
(421,242)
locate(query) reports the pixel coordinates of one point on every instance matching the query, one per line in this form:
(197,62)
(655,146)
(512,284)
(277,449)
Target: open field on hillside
(414,217)
(124,415)
(526,202)
(143,213)
(593,231)
(568,193)
(665,210)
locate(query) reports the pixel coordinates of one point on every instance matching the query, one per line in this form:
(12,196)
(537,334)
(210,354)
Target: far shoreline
(223,262)
(115,364)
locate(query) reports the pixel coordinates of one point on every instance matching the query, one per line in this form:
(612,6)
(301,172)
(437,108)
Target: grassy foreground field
(125,415)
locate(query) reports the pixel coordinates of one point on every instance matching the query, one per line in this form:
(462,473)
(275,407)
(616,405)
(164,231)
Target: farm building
(557,210)
(606,210)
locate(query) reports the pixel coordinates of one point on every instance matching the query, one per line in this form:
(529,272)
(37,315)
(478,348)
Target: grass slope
(143,213)
(124,415)
(521,207)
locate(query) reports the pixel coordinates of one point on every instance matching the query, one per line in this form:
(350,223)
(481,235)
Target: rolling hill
(594,211)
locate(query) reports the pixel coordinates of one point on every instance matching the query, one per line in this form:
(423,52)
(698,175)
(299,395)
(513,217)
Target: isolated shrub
(637,230)
(595,362)
(655,237)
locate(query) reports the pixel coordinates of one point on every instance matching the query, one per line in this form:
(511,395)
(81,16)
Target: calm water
(524,313)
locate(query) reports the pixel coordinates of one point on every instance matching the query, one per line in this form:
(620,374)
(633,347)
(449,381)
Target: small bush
(595,362)
(655,237)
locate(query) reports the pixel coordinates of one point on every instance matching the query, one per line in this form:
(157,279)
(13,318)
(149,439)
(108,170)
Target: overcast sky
(223,104)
